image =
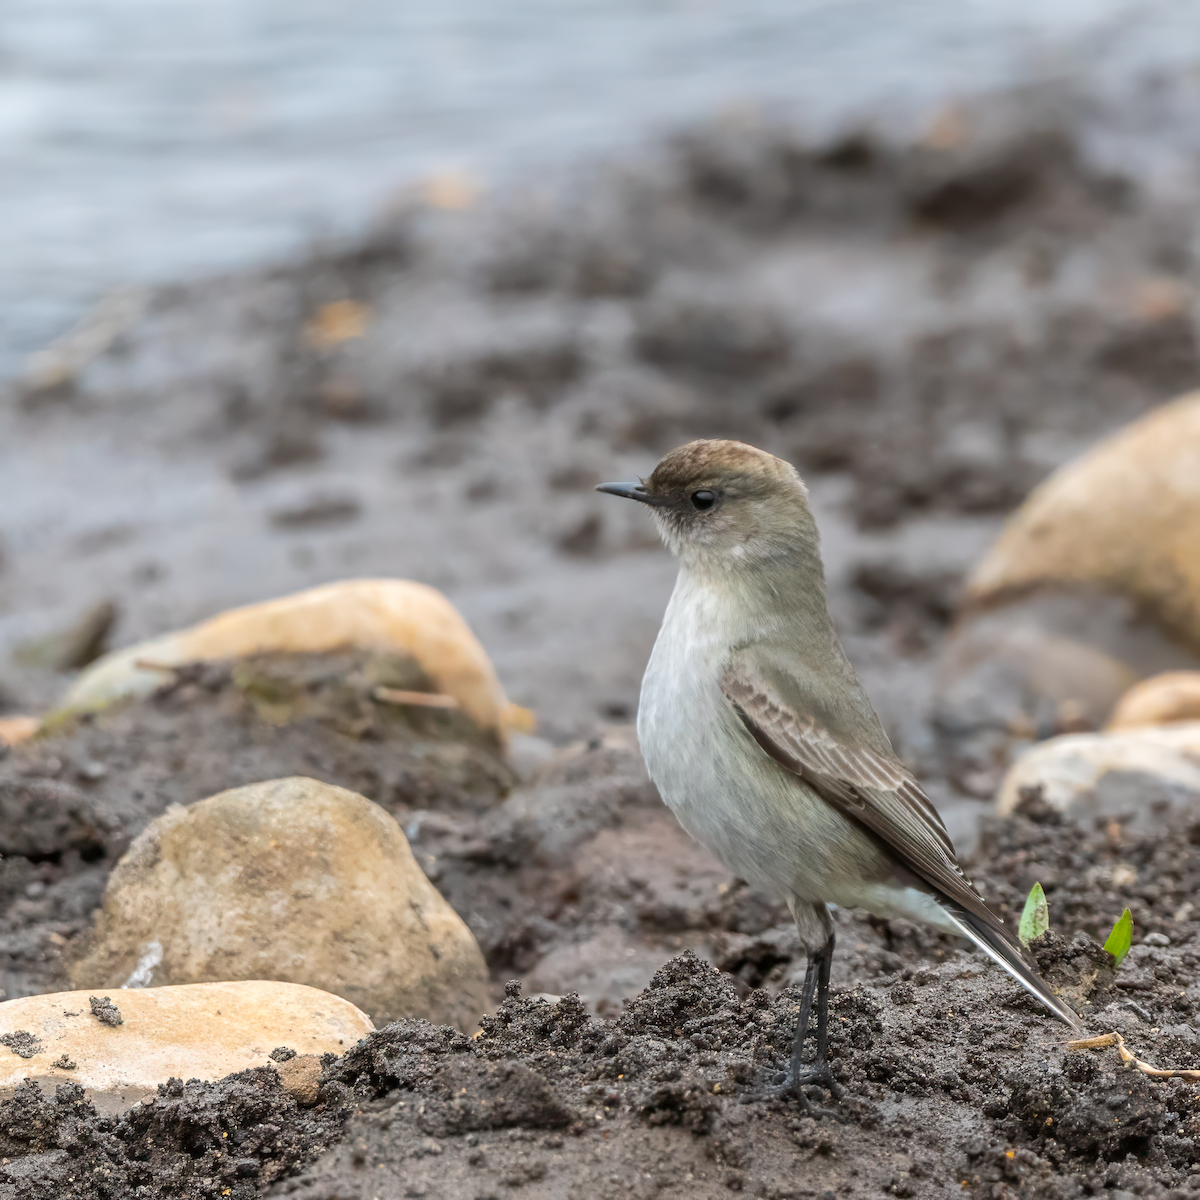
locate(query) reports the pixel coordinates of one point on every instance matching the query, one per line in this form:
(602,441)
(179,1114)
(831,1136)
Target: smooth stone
(14,730)
(1093,585)
(1137,775)
(301,1077)
(1164,699)
(291,879)
(199,1031)
(383,614)
(1123,518)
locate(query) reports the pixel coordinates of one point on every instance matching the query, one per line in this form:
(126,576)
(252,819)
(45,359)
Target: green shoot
(1121,938)
(1035,920)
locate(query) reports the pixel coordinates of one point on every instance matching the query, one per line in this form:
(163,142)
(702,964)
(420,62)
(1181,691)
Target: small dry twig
(389,695)
(1115,1039)
(144,664)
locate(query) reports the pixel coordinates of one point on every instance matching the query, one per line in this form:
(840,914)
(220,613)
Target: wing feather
(871,787)
(859,774)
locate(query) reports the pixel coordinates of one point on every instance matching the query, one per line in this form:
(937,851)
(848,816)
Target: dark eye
(703,499)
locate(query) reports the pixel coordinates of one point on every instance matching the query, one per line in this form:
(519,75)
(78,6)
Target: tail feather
(998,943)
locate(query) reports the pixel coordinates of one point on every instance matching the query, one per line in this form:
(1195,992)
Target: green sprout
(1121,938)
(1035,920)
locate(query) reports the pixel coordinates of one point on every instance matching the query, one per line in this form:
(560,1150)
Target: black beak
(631,491)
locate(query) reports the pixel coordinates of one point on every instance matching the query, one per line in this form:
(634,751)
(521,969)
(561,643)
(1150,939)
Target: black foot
(792,1087)
(803,1074)
(822,1076)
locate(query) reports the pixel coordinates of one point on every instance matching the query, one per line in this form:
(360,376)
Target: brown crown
(716,463)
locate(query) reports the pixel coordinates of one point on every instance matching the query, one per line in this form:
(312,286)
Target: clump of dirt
(948,1085)
(105,1011)
(230,1138)
(22,1043)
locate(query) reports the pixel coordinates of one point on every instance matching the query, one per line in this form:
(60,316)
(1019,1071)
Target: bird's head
(720,503)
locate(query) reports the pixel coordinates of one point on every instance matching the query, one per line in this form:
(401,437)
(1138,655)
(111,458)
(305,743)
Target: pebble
(1163,699)
(301,1077)
(14,730)
(200,1031)
(294,880)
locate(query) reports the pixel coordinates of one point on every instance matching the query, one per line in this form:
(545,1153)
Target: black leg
(800,1074)
(802,1023)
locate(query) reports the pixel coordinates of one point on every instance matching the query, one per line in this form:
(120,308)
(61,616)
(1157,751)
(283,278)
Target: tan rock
(386,614)
(1163,699)
(294,880)
(1136,775)
(1124,518)
(203,1031)
(301,1077)
(14,730)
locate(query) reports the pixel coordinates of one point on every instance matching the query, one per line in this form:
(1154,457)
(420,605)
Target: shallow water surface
(142,140)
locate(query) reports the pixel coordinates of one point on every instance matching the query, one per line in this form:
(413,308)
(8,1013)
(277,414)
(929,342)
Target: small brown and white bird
(762,741)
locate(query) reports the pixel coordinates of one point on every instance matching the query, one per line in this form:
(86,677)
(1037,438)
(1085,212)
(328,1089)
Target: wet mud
(926,329)
(927,326)
(955,1082)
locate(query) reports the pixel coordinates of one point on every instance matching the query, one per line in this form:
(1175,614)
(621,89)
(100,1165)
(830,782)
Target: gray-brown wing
(868,784)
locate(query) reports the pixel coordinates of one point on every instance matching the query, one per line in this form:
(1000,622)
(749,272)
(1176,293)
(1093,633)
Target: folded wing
(842,753)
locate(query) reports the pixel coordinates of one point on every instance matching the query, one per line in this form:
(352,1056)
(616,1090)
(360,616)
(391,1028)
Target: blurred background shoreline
(279,278)
(146,143)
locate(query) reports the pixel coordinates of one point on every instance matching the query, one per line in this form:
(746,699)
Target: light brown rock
(1124,518)
(203,1031)
(1136,775)
(301,1078)
(383,614)
(14,730)
(294,880)
(1163,699)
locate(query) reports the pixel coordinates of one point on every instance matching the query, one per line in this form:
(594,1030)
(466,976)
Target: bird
(763,742)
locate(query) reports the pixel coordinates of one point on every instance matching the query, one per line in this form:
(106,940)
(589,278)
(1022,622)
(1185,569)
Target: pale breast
(761,821)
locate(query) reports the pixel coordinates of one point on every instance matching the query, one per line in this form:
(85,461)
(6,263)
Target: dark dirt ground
(926,329)
(955,1083)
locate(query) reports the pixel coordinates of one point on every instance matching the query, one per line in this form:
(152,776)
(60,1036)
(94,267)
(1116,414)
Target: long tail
(998,943)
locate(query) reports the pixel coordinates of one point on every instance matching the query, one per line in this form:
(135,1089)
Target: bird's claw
(793,1085)
(822,1076)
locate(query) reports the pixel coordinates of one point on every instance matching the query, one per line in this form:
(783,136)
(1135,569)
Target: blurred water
(143,140)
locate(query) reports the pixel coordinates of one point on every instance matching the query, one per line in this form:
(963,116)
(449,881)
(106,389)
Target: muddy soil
(926,328)
(954,1081)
